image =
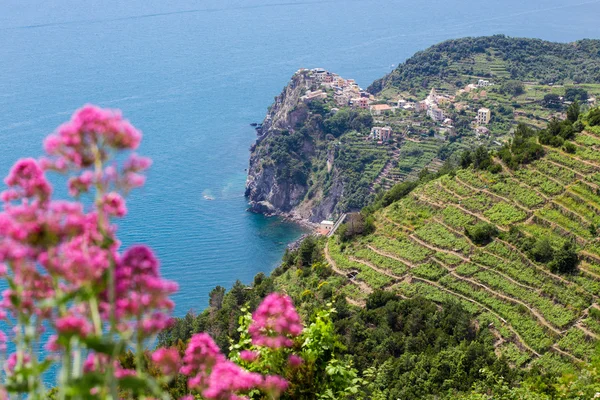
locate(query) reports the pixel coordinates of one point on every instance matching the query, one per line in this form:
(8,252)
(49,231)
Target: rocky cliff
(284,159)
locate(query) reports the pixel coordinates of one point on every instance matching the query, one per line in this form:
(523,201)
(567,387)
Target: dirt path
(509,326)
(587,331)
(408,264)
(582,218)
(402,227)
(450,192)
(588,255)
(587,271)
(596,167)
(578,175)
(366,288)
(433,248)
(492,194)
(564,353)
(533,311)
(527,261)
(376,269)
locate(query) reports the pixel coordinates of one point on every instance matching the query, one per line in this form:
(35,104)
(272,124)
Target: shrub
(481,233)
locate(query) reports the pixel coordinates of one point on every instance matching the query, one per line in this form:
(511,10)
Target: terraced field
(420,248)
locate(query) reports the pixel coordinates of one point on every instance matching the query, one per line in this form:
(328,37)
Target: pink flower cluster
(275,322)
(73,325)
(167,360)
(77,142)
(220,379)
(141,294)
(58,253)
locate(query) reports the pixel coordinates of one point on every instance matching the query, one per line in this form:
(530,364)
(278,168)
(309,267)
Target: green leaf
(134,383)
(82,386)
(104,345)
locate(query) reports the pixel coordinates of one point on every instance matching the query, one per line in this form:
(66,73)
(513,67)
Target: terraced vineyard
(420,248)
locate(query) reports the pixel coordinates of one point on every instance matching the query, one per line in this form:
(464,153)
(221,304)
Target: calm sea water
(193,74)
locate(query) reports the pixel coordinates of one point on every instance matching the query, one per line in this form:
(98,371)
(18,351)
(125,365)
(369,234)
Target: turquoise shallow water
(193,74)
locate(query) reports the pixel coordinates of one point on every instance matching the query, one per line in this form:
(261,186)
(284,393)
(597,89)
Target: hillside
(423,245)
(456,62)
(478,282)
(318,155)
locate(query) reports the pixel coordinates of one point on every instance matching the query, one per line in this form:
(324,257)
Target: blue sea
(192,75)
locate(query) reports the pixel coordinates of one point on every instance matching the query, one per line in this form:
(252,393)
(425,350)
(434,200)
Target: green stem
(94,310)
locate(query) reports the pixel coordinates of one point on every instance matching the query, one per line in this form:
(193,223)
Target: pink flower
(248,355)
(123,373)
(274,322)
(136,163)
(201,355)
(227,379)
(28,181)
(141,294)
(78,143)
(295,361)
(113,205)
(81,184)
(52,344)
(167,360)
(2,341)
(274,385)
(73,325)
(13,360)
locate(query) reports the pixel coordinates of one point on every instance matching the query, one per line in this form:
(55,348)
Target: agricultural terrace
(420,248)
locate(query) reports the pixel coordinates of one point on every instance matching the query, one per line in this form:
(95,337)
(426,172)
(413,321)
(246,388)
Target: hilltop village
(401,118)
(444,114)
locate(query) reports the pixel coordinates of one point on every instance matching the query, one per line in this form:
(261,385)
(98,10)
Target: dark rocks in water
(254,124)
(262,207)
(295,245)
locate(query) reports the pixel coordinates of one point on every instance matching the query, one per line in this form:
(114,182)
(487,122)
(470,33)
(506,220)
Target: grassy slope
(419,247)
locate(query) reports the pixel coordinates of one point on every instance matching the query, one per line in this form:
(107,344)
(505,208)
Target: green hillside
(546,216)
(454,63)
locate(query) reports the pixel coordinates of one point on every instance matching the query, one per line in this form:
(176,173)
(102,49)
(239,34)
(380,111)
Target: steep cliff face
(283,160)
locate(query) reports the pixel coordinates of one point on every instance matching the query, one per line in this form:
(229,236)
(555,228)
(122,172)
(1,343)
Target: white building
(378,109)
(483,116)
(435,114)
(327,225)
(484,83)
(381,133)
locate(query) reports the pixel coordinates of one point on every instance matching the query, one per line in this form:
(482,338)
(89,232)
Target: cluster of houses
(432,104)
(346,92)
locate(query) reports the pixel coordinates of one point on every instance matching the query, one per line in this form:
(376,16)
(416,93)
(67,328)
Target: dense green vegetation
(500,58)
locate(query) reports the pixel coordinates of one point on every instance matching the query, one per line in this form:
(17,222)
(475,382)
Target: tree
(542,251)
(513,88)
(594,117)
(216,297)
(565,259)
(573,111)
(576,94)
(551,100)
(307,250)
(482,233)
(482,158)
(466,159)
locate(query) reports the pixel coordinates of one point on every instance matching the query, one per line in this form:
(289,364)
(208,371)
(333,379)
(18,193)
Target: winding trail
(492,194)
(376,269)
(366,288)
